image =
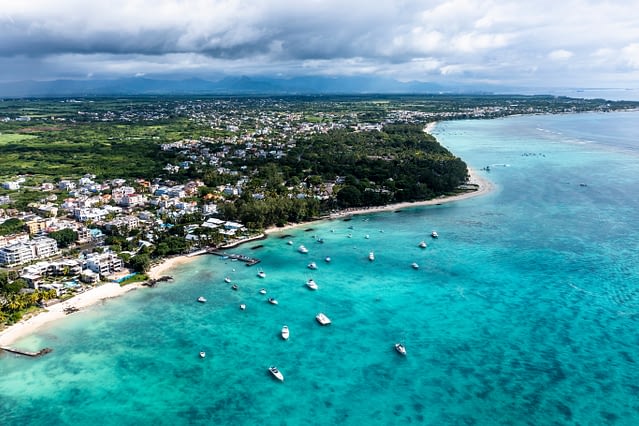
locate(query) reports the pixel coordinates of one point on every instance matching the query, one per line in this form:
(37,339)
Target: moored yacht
(414,265)
(262,291)
(202,354)
(290,243)
(371,256)
(261,274)
(434,234)
(422,244)
(312,265)
(272,301)
(327,259)
(400,348)
(285,332)
(234,287)
(242,306)
(322,319)
(276,373)
(201,299)
(227,280)
(302,249)
(311,284)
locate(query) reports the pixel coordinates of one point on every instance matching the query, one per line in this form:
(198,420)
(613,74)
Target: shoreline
(111,290)
(484,186)
(91,297)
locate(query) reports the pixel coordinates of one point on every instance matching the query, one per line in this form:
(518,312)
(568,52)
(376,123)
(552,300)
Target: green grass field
(6,138)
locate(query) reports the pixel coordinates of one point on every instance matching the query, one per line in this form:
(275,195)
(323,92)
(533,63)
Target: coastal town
(62,234)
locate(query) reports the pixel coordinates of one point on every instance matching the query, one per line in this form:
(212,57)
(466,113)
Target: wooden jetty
(26,353)
(250,261)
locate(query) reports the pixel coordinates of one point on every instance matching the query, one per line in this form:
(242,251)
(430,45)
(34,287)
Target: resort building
(15,254)
(104,264)
(18,253)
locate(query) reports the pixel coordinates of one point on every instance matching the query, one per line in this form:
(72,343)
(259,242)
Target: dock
(26,353)
(250,261)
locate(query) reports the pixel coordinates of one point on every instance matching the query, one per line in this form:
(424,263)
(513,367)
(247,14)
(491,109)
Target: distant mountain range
(230,85)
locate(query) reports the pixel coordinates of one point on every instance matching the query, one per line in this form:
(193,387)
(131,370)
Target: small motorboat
(234,287)
(311,284)
(371,256)
(312,265)
(320,240)
(290,243)
(400,348)
(242,306)
(272,301)
(276,373)
(285,332)
(322,319)
(261,274)
(422,244)
(367,236)
(227,280)
(262,291)
(202,354)
(302,249)
(414,265)
(327,259)
(201,299)
(434,234)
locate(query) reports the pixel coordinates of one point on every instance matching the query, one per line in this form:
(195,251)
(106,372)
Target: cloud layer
(542,43)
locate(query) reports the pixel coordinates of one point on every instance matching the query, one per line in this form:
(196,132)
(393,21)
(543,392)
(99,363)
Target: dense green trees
(64,237)
(11,226)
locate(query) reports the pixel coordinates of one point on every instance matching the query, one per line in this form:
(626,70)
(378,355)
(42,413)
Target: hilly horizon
(242,85)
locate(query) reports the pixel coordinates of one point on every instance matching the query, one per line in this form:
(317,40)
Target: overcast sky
(528,43)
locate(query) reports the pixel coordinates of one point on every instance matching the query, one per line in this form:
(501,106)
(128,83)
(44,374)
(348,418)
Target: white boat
(261,274)
(371,256)
(422,244)
(312,265)
(276,373)
(285,332)
(202,354)
(290,243)
(272,301)
(242,306)
(201,299)
(234,287)
(414,265)
(434,234)
(400,348)
(322,319)
(311,284)
(227,280)
(302,249)
(367,236)
(327,259)
(262,291)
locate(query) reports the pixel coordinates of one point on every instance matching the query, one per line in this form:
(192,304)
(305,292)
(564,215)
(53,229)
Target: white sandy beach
(484,186)
(110,290)
(83,300)
(55,312)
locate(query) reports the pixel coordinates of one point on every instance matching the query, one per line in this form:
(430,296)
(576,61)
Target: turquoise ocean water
(524,311)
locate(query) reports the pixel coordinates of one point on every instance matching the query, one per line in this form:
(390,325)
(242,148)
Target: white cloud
(560,55)
(492,40)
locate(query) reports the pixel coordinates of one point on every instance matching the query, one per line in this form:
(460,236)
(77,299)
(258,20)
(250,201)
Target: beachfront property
(104,264)
(22,252)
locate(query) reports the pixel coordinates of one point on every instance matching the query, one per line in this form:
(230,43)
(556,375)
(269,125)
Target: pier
(26,353)
(250,261)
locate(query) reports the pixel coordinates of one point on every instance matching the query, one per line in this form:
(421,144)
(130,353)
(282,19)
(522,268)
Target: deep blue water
(524,311)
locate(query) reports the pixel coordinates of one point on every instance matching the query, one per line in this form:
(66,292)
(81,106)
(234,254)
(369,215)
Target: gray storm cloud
(513,42)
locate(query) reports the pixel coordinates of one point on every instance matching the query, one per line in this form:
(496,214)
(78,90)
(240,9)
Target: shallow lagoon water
(524,311)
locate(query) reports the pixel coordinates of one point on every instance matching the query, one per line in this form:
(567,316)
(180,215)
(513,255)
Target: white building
(15,254)
(104,263)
